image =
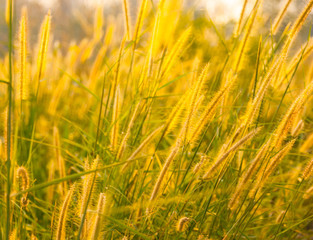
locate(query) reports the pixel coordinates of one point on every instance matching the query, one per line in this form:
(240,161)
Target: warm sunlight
(224,10)
(156,120)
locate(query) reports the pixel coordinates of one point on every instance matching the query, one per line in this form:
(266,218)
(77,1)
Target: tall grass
(174,128)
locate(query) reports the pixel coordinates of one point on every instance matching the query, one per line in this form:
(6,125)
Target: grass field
(172,129)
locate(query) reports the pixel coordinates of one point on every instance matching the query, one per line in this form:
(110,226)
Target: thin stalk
(94,151)
(285,92)
(9,123)
(289,205)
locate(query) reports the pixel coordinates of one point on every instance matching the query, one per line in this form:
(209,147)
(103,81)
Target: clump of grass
(271,167)
(172,117)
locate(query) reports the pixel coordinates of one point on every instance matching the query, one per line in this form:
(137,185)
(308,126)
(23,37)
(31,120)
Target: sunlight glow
(223,11)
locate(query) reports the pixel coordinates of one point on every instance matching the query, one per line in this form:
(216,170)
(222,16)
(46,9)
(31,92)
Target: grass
(9,121)
(175,128)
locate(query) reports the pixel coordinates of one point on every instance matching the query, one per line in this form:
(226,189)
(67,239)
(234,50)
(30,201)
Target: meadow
(174,128)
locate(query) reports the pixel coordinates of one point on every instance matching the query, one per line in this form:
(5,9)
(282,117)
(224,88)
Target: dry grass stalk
(164,170)
(238,27)
(289,118)
(308,170)
(244,182)
(209,112)
(127,19)
(59,158)
(140,18)
(244,41)
(174,116)
(127,134)
(96,226)
(280,16)
(233,148)
(270,168)
(61,228)
(43,46)
(145,142)
(115,120)
(23,77)
(308,143)
(175,52)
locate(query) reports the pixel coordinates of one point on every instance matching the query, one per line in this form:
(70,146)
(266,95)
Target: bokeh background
(73,19)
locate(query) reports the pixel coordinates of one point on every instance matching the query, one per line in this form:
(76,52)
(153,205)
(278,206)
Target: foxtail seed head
(23,178)
(61,229)
(23,77)
(43,46)
(308,170)
(96,228)
(182,224)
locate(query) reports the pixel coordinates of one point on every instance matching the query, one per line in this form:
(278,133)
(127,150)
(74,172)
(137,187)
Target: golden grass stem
(255,103)
(275,67)
(300,20)
(298,128)
(233,148)
(142,146)
(209,112)
(175,52)
(238,27)
(244,182)
(289,118)
(278,157)
(23,78)
(280,16)
(7,11)
(59,158)
(173,117)
(196,91)
(274,161)
(164,170)
(139,23)
(117,71)
(308,170)
(308,143)
(61,228)
(303,54)
(243,42)
(98,24)
(13,234)
(96,227)
(115,120)
(87,185)
(127,19)
(43,47)
(129,128)
(308,193)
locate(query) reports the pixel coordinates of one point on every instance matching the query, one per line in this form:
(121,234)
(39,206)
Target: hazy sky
(220,10)
(224,10)
(49,3)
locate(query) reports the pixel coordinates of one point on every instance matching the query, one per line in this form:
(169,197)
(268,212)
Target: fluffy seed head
(182,224)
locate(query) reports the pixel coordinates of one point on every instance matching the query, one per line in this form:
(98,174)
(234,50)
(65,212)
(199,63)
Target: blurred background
(72,20)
